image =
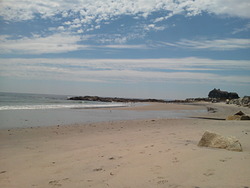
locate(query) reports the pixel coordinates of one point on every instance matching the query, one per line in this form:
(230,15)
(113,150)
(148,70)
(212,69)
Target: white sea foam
(78,106)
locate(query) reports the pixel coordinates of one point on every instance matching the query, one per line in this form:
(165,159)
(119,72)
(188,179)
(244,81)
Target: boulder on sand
(245,101)
(239,116)
(215,140)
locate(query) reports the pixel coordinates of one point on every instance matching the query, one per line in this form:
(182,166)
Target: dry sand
(127,154)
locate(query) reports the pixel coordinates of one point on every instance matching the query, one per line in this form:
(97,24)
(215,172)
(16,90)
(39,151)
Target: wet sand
(127,154)
(66,116)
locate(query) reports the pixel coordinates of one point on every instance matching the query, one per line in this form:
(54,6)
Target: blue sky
(127,48)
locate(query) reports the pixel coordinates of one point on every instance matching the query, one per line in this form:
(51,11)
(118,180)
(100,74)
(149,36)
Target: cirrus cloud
(51,44)
(57,43)
(127,70)
(217,44)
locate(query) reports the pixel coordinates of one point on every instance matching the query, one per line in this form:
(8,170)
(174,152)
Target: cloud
(234,8)
(56,43)
(218,44)
(78,17)
(160,19)
(245,28)
(65,42)
(84,12)
(115,46)
(128,70)
(151,27)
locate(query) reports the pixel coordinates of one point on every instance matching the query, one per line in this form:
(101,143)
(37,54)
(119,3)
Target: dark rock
(245,101)
(239,116)
(197,100)
(240,113)
(113,99)
(245,117)
(222,95)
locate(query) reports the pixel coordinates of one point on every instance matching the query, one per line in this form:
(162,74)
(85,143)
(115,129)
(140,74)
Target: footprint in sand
(161,180)
(174,134)
(226,159)
(55,183)
(173,186)
(149,146)
(156,169)
(97,169)
(175,160)
(209,172)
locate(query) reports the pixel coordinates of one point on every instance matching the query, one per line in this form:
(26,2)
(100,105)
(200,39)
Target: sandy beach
(142,153)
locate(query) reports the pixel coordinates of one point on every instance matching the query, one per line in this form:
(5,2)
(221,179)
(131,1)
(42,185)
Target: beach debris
(214,140)
(239,116)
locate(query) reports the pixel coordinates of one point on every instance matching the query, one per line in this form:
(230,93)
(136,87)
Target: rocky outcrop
(245,101)
(215,140)
(222,95)
(239,116)
(197,100)
(113,99)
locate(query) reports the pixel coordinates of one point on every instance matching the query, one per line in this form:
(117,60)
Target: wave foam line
(40,107)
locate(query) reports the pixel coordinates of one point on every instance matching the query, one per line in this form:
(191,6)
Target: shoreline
(34,118)
(145,153)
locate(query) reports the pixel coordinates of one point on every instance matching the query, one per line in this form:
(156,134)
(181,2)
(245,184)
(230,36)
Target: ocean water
(33,110)
(20,101)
